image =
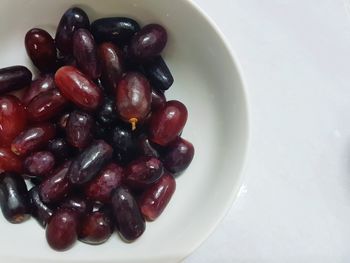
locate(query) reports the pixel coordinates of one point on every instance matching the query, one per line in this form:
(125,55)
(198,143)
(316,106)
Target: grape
(148,42)
(133,98)
(167,123)
(118,30)
(41,49)
(89,162)
(154,200)
(76,87)
(46,105)
(123,144)
(145,147)
(111,65)
(13,118)
(60,148)
(39,163)
(100,188)
(43,83)
(61,231)
(85,53)
(14,78)
(158,73)
(77,203)
(107,114)
(143,172)
(9,162)
(33,139)
(73,19)
(178,155)
(40,211)
(56,186)
(158,99)
(14,198)
(126,214)
(79,129)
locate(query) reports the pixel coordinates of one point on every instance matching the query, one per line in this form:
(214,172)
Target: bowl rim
(235,190)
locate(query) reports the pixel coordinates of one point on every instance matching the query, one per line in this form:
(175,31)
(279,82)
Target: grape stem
(133,122)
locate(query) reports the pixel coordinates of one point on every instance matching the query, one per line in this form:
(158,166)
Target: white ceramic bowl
(207,80)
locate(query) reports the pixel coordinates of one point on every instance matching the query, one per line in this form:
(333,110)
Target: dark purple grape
(118,30)
(133,98)
(158,99)
(123,144)
(158,73)
(56,187)
(46,105)
(43,83)
(100,188)
(146,148)
(60,148)
(33,139)
(40,211)
(167,122)
(89,162)
(112,65)
(101,131)
(95,228)
(85,53)
(107,114)
(148,42)
(73,19)
(41,49)
(61,231)
(14,199)
(77,203)
(141,173)
(79,129)
(154,200)
(14,78)
(39,163)
(178,155)
(126,214)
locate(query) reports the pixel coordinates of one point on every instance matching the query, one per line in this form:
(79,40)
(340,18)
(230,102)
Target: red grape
(79,129)
(39,163)
(9,162)
(41,84)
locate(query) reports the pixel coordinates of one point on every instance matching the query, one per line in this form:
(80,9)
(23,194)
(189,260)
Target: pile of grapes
(93,137)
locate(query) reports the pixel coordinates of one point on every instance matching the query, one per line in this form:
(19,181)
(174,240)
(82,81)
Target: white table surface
(294,205)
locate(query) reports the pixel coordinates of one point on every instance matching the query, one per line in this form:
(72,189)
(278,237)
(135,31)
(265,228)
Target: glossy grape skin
(146,148)
(62,122)
(142,172)
(95,228)
(149,41)
(78,88)
(133,98)
(9,162)
(154,200)
(61,231)
(89,162)
(158,73)
(73,19)
(43,83)
(60,148)
(100,188)
(118,30)
(107,114)
(77,203)
(178,155)
(123,144)
(41,49)
(112,65)
(158,99)
(56,186)
(14,198)
(13,118)
(85,53)
(79,129)
(126,214)
(33,139)
(46,105)
(167,122)
(39,163)
(39,210)
(14,78)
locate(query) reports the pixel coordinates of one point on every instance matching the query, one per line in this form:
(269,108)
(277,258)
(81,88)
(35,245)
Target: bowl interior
(206,80)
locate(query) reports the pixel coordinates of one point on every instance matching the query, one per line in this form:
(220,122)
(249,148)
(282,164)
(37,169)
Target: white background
(294,205)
